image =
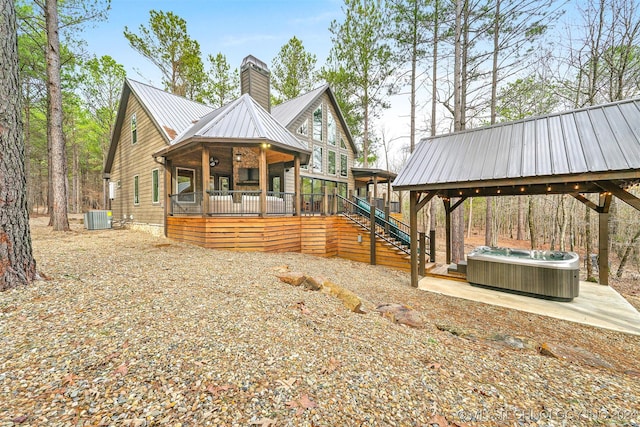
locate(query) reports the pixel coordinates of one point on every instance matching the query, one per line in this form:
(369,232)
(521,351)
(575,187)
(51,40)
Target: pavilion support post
(413,231)
(422,256)
(205,179)
(603,238)
(325,201)
(297,185)
(334,202)
(264,178)
(432,245)
(447,238)
(372,219)
(385,206)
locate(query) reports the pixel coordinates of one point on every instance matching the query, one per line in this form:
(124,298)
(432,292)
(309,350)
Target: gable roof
(289,111)
(170,113)
(243,119)
(589,144)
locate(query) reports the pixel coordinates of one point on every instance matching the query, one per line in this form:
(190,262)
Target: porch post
(205,179)
(168,185)
(264,177)
(375,186)
(297,184)
(413,231)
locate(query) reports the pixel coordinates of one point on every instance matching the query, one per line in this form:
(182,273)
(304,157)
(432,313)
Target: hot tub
(546,274)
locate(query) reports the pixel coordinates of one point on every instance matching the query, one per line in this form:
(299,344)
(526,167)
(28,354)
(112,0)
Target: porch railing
(247,203)
(186,204)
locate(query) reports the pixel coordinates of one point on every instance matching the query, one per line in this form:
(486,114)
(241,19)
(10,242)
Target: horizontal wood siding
(325,236)
(135,159)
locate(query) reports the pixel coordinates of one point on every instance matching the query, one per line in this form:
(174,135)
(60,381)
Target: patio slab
(597,305)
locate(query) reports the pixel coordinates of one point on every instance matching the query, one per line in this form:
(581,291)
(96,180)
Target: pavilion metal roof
(589,144)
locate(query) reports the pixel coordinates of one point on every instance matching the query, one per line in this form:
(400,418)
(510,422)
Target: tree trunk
(488,230)
(627,251)
(532,223)
(434,74)
(457,217)
(60,218)
(521,226)
(17,266)
(470,218)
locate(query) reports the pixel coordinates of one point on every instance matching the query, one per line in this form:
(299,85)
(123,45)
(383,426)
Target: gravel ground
(134,330)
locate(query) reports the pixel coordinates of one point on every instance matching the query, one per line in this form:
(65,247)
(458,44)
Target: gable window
(155,186)
(343,165)
(317,158)
(342,144)
(304,128)
(331,162)
(186,183)
(331,129)
(317,123)
(134,129)
(136,190)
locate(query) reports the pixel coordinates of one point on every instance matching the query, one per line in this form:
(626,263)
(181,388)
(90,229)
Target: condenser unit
(97,220)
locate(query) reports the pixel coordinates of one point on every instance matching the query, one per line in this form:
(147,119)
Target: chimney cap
(252,60)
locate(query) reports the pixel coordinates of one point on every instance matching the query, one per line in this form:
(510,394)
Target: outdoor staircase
(394,233)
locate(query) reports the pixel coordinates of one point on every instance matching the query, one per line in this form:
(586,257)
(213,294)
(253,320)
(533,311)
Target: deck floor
(597,305)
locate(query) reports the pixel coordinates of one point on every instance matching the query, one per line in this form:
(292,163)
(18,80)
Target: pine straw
(137,330)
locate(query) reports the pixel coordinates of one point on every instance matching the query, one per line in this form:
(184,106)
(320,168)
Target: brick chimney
(255,79)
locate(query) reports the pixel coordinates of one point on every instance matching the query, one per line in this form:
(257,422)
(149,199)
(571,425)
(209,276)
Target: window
(331,162)
(342,144)
(343,165)
(155,186)
(317,158)
(303,129)
(317,123)
(331,129)
(136,190)
(134,129)
(186,185)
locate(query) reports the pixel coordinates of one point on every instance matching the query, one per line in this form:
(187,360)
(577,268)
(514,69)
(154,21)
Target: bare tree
(17,266)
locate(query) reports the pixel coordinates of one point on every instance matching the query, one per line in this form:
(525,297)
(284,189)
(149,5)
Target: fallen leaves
(303,308)
(264,422)
(286,384)
(301,404)
(332,366)
(121,370)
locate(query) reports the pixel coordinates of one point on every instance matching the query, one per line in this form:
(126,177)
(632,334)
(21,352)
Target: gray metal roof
(245,120)
(560,147)
(172,113)
(289,111)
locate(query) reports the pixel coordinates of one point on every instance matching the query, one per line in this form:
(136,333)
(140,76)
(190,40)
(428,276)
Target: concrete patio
(597,305)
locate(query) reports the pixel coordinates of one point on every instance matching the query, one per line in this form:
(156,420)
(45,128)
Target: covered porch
(235,161)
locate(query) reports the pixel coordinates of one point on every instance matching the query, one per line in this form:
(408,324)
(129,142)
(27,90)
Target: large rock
(293,278)
(348,298)
(401,314)
(572,354)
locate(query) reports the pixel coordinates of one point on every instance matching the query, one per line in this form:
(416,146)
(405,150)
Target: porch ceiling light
(238,157)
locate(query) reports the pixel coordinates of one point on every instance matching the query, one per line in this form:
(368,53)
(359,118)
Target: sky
(236,28)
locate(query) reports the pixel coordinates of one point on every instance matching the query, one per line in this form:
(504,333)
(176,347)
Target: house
(242,176)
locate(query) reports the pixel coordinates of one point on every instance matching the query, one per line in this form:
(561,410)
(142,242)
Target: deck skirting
(325,236)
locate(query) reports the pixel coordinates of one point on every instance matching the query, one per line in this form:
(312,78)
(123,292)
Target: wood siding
(325,236)
(135,159)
